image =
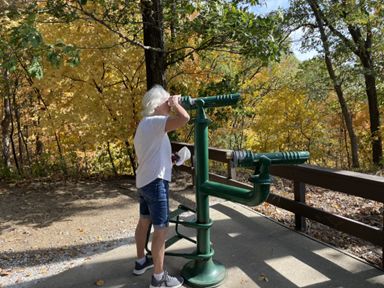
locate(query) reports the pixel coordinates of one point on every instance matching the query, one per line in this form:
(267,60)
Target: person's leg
(159,210)
(141,236)
(143,263)
(160,277)
(160,217)
(142,225)
(158,249)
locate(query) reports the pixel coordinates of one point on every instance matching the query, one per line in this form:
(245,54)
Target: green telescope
(211,101)
(246,158)
(202,271)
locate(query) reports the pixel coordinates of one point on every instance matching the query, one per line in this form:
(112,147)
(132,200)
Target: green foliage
(313,77)
(35,69)
(41,167)
(6,173)
(101,163)
(22,44)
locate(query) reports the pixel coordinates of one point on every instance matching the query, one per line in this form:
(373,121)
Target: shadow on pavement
(256,251)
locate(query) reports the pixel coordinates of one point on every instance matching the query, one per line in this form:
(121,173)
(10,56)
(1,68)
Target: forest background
(73,74)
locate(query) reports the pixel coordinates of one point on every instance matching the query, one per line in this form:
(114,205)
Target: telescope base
(203,273)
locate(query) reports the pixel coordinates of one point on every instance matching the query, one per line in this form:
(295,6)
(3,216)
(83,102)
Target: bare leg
(141,236)
(158,249)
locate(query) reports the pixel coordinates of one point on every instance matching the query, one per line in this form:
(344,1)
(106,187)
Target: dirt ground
(49,226)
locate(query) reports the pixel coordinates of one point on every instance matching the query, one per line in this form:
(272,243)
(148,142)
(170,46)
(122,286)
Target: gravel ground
(22,276)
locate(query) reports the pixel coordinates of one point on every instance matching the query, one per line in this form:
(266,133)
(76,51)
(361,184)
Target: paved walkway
(256,251)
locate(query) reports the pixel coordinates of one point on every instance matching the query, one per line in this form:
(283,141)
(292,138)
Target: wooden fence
(351,183)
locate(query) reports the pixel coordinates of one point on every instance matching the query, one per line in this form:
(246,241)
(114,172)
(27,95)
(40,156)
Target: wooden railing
(351,183)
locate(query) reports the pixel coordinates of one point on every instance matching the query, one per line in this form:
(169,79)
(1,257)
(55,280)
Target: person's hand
(175,158)
(174,100)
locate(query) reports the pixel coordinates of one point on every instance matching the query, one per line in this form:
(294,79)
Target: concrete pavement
(256,251)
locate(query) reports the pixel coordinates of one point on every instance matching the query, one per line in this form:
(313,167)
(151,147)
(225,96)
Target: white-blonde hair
(154,97)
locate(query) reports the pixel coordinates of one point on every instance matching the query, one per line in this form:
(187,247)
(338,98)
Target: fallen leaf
(335,205)
(99,282)
(4,273)
(263,277)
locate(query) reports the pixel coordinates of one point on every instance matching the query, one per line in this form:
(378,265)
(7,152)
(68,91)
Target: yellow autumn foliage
(96,102)
(85,117)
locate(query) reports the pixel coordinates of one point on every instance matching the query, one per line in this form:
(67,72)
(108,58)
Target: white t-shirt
(153,150)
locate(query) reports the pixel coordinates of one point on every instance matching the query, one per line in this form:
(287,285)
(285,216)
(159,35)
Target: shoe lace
(168,277)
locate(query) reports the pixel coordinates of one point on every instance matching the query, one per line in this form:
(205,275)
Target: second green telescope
(211,101)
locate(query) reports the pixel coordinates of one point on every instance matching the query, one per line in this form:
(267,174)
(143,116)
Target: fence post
(299,192)
(231,170)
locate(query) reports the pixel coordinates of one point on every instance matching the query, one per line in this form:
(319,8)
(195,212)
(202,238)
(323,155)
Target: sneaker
(166,281)
(141,268)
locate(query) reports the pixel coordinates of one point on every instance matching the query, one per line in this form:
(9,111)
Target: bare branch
(346,41)
(121,35)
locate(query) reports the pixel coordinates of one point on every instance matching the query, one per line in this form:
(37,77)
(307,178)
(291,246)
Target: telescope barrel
(247,158)
(211,101)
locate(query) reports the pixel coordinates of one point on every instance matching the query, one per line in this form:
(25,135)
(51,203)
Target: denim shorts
(154,202)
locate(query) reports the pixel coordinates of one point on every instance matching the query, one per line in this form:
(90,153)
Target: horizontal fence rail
(351,183)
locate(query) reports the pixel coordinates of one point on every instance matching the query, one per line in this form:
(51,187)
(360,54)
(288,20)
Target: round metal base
(203,273)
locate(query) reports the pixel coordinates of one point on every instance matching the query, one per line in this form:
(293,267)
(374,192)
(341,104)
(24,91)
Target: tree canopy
(73,74)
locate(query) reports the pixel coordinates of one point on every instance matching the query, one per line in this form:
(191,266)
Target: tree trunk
(13,144)
(152,14)
(39,145)
(16,110)
(131,156)
(337,86)
(361,47)
(174,21)
(24,137)
(6,122)
(348,123)
(63,163)
(363,51)
(111,159)
(374,116)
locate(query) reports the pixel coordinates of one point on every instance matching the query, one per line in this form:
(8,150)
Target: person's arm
(181,116)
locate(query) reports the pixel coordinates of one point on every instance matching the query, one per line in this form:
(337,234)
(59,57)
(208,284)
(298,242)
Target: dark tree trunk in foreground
(152,14)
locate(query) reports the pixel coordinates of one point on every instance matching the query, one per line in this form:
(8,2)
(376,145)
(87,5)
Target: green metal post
(202,272)
(202,202)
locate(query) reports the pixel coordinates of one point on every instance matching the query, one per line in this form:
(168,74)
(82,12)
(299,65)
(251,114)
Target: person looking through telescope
(154,155)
